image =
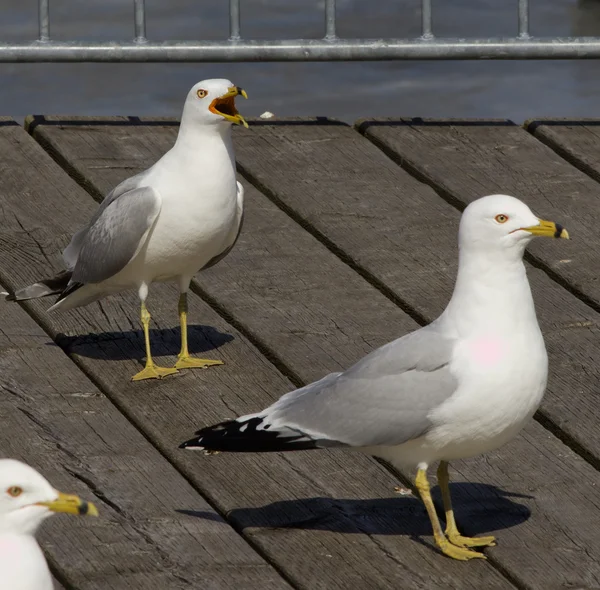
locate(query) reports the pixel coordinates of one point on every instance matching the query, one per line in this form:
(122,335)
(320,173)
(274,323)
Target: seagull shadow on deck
(129,344)
(479,509)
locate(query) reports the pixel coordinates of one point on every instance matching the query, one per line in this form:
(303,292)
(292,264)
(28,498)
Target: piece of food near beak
(548,229)
(70,504)
(225,106)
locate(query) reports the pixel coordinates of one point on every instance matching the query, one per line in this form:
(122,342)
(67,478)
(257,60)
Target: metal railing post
(139,10)
(523,19)
(44,20)
(330,19)
(234,20)
(426,19)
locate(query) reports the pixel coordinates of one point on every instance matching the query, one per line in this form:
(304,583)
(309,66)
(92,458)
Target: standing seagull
(165,224)
(26,500)
(463,385)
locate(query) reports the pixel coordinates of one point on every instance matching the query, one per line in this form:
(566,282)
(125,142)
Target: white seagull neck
(204,143)
(491,293)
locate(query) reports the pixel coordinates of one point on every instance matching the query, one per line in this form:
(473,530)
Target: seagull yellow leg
(451,530)
(185,361)
(447,548)
(150,371)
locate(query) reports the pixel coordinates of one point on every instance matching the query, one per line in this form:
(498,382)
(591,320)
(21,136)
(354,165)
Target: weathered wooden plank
(56,420)
(578,142)
(282,286)
(467,159)
(72,434)
(317,515)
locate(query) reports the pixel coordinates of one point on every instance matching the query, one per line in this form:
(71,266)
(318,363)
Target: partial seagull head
(212,102)
(27,499)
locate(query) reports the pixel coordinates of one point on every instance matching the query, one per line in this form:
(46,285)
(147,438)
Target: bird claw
(153,372)
(460,541)
(187,362)
(459,553)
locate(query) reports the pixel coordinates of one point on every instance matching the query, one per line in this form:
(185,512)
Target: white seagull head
(501,222)
(212,102)
(27,499)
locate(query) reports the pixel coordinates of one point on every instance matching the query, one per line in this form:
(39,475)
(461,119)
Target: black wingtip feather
(229,436)
(70,289)
(44,288)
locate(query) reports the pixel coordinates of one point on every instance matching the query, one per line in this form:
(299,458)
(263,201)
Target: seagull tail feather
(245,435)
(52,286)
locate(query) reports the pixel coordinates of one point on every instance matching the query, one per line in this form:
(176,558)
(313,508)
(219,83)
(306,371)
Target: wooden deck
(349,242)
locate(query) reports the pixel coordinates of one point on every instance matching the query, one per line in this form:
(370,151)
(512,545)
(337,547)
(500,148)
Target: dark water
(517,90)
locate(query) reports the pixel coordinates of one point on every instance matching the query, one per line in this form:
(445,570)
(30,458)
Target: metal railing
(329,48)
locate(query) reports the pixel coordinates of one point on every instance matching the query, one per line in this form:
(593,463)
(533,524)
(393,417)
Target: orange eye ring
(501,218)
(201,93)
(14,491)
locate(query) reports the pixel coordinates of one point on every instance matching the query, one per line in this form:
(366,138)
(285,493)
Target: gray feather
(71,252)
(115,234)
(128,185)
(44,288)
(384,399)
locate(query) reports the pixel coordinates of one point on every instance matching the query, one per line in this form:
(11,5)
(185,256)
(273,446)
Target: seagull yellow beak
(548,229)
(70,504)
(225,106)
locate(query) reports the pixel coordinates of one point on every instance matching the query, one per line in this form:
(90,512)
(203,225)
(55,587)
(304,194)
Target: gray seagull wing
(71,252)
(384,399)
(115,234)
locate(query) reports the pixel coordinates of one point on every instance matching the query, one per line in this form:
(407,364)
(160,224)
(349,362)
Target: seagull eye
(501,218)
(201,93)
(14,491)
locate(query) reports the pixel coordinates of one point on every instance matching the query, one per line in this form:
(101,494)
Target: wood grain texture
(284,308)
(465,160)
(578,141)
(328,520)
(56,420)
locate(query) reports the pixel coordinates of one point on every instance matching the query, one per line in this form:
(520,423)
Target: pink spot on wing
(487,351)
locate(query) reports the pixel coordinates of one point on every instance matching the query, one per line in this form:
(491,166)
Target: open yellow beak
(548,229)
(70,504)
(225,106)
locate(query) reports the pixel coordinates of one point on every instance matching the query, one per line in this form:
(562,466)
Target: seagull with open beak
(26,500)
(167,223)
